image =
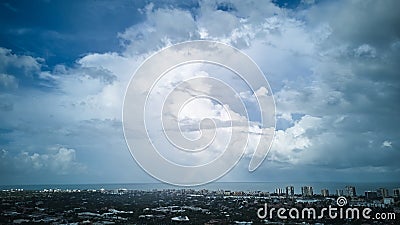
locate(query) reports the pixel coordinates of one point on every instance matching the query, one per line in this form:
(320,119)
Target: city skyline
(379,191)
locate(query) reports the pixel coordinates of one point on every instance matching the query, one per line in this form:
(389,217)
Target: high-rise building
(371,195)
(279,191)
(307,191)
(382,192)
(396,192)
(339,192)
(350,191)
(325,192)
(289,191)
(388,201)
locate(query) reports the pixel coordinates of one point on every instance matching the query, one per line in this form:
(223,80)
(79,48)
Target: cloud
(387,144)
(12,63)
(62,102)
(376,22)
(365,50)
(179,96)
(8,81)
(158,31)
(57,160)
(289,144)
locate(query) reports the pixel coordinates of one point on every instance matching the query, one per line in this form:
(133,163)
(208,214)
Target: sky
(332,67)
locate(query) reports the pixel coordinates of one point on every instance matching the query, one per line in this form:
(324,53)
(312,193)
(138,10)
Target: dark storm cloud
(354,92)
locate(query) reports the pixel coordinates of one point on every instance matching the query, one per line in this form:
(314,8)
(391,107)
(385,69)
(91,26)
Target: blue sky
(332,65)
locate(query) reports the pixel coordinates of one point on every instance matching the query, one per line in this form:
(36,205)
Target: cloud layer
(333,68)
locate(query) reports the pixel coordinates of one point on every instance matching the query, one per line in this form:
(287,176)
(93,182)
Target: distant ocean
(233,186)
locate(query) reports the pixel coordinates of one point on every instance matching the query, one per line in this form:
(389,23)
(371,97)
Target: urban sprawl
(188,206)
